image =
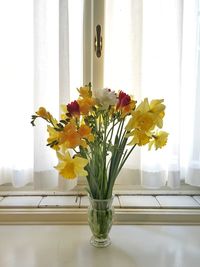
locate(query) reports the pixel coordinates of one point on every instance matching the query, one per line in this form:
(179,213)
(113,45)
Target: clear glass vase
(100,219)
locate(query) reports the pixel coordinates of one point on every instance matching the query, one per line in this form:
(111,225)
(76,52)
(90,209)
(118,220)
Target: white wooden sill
(129,209)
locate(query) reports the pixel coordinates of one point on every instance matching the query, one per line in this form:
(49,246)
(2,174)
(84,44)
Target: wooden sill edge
(68,216)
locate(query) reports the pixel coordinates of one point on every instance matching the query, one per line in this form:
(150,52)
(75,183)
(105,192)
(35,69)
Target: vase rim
(100,200)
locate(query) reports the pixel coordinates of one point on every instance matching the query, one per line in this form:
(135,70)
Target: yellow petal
(130,124)
(144,106)
(80,163)
(68,172)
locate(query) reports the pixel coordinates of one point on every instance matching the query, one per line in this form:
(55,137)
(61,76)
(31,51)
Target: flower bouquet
(95,136)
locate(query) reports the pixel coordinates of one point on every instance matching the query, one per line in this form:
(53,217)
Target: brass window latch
(98,41)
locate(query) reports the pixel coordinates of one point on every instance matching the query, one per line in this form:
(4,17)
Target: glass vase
(100,219)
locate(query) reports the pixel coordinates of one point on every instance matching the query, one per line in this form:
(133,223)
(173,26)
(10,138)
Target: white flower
(105,97)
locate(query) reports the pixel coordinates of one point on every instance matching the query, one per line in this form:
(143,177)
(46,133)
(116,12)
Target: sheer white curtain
(16,91)
(40,66)
(151,50)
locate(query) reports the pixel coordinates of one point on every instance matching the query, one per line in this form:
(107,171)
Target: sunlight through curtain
(40,66)
(151,50)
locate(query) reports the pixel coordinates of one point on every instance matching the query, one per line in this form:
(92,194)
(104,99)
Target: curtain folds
(150,51)
(16,92)
(58,70)
(40,66)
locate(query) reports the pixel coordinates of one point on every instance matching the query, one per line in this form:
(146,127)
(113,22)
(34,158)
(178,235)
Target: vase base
(100,243)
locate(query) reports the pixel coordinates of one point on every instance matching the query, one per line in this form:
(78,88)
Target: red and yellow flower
(125,104)
(73,109)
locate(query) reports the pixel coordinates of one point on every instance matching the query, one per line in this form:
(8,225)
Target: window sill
(69,216)
(123,189)
(133,209)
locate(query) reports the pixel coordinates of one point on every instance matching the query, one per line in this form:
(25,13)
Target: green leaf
(58,129)
(63,121)
(60,125)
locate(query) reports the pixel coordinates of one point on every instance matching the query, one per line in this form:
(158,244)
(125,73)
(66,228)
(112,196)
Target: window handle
(98,41)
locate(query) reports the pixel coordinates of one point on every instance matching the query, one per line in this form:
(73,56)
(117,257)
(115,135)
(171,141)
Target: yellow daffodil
(160,140)
(144,106)
(156,105)
(141,118)
(71,168)
(158,108)
(143,121)
(147,116)
(139,137)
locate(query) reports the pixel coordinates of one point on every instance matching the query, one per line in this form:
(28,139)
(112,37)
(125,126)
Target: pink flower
(123,100)
(74,109)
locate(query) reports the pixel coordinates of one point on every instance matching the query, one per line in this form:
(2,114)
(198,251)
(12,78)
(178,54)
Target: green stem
(124,159)
(112,129)
(119,145)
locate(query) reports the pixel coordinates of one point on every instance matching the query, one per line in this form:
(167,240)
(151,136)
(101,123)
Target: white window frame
(93,65)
